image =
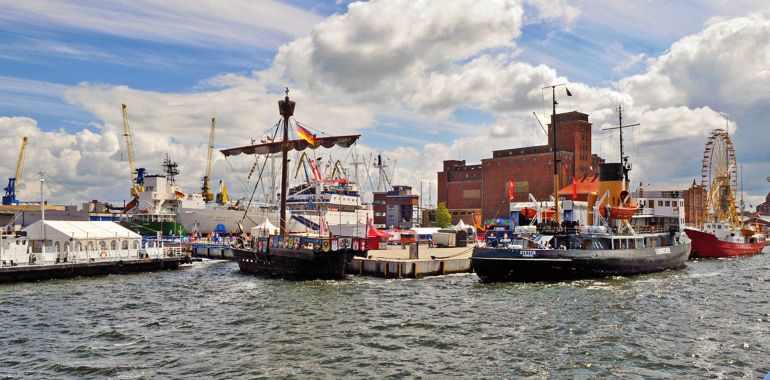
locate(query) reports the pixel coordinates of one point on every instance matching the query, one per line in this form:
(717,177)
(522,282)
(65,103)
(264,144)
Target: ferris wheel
(719,177)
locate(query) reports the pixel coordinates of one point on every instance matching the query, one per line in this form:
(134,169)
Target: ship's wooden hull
(294,264)
(531,265)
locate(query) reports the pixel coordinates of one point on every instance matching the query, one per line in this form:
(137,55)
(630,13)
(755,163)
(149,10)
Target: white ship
(333,204)
(157,201)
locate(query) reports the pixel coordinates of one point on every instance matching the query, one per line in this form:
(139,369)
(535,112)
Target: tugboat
(295,257)
(609,246)
(723,234)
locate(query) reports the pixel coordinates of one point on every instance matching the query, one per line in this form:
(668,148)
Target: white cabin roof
(81,229)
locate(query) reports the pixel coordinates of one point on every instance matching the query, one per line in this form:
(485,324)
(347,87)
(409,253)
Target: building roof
(585,185)
(86,229)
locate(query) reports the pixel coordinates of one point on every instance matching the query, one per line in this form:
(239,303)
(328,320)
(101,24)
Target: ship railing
(645,211)
(650,229)
(99,255)
(173,251)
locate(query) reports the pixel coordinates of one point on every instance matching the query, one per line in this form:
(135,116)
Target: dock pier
(396,263)
(212,251)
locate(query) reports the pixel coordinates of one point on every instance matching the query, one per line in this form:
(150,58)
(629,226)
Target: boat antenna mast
(384,182)
(172,169)
(286,109)
(553,148)
(623,158)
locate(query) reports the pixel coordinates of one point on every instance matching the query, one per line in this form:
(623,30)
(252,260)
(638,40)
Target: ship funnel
(611,179)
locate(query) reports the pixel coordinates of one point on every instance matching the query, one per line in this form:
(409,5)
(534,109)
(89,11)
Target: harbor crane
(137,174)
(10,191)
(206,189)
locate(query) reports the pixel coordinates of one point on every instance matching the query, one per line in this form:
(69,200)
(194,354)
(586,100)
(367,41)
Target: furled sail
(298,144)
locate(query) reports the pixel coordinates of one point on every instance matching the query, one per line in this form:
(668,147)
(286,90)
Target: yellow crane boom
(136,187)
(20,161)
(206,189)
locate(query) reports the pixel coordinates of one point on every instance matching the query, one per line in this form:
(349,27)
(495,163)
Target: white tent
(263,229)
(461,225)
(77,230)
(64,236)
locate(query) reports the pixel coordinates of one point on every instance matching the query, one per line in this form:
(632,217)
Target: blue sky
(63,65)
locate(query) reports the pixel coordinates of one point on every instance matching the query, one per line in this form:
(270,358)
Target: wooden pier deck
(395,262)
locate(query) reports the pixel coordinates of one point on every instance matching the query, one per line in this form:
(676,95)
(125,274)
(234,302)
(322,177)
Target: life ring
(103,255)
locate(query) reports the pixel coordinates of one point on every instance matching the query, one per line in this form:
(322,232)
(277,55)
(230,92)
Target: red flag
(574,189)
(510,191)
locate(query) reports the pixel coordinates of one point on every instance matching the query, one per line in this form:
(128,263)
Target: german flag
(306,135)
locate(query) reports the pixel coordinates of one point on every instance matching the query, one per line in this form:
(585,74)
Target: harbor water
(710,320)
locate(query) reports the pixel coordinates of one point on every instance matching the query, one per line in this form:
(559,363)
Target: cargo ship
(154,208)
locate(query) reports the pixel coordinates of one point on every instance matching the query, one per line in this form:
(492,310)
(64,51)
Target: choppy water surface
(711,320)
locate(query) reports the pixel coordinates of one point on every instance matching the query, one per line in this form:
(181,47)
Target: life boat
(529,212)
(619,212)
(747,231)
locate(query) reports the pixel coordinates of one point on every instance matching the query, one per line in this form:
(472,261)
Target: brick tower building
(483,189)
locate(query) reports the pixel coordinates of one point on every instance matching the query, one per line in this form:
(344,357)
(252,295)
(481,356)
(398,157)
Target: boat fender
(103,255)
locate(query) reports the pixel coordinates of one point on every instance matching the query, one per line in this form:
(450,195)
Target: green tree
(443,217)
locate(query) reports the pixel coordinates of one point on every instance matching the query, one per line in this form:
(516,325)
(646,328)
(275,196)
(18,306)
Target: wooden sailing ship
(288,256)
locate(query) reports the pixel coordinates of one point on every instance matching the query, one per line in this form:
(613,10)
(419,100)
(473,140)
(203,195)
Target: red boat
(720,240)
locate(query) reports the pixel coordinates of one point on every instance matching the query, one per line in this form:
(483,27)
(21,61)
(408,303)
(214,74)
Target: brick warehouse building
(482,189)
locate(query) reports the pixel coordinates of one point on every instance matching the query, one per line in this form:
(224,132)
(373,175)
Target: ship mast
(623,159)
(553,148)
(286,108)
